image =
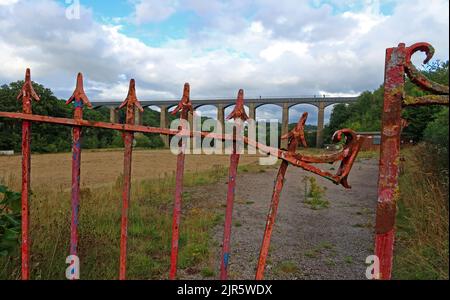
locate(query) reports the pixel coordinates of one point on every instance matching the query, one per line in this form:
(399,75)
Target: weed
(348,259)
(314,195)
(207,272)
(288,267)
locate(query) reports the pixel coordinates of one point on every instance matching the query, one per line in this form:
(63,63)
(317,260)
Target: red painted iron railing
(347,156)
(398,63)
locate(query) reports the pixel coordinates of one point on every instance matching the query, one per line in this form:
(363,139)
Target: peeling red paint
(79,99)
(131,102)
(398,63)
(239,116)
(27,93)
(185,106)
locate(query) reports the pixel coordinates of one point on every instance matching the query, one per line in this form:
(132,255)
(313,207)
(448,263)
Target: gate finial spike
(416,76)
(27,88)
(79,93)
(298,132)
(239,109)
(185,102)
(132,99)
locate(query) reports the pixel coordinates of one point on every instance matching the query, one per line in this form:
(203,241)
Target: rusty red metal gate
(396,64)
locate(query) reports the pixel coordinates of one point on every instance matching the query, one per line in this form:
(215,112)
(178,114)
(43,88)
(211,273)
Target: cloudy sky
(267,47)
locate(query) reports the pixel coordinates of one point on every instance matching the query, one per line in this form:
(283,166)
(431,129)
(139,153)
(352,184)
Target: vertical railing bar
(294,137)
(27,93)
(239,116)
(130,102)
(79,98)
(184,107)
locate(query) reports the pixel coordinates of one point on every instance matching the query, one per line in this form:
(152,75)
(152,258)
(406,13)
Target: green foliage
(142,141)
(10,217)
(49,138)
(422,247)
(365,114)
(436,131)
(314,195)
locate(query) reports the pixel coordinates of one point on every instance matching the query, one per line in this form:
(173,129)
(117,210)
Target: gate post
(398,62)
(27,93)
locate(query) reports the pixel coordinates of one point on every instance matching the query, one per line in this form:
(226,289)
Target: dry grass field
(150,215)
(103,167)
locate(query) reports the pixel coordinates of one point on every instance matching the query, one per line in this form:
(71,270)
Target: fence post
(27,93)
(293,137)
(239,116)
(130,102)
(184,107)
(79,99)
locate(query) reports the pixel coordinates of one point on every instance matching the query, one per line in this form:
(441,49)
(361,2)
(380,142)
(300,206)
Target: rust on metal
(79,99)
(131,102)
(294,138)
(398,63)
(185,106)
(27,94)
(239,115)
(416,76)
(298,132)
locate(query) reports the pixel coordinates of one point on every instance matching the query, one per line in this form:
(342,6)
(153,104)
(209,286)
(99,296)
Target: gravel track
(330,243)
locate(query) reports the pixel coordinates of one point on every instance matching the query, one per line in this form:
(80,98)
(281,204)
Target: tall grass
(149,238)
(422,224)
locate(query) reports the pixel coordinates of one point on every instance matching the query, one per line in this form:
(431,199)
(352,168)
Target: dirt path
(331,243)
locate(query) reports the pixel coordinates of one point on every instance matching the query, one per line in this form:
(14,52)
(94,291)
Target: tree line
(50,138)
(426,123)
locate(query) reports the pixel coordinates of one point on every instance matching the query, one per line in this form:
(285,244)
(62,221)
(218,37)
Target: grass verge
(149,230)
(422,248)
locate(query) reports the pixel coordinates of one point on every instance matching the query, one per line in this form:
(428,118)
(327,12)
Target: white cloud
(153,10)
(8,2)
(268,48)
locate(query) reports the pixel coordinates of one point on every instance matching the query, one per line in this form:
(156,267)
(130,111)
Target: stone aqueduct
(221,104)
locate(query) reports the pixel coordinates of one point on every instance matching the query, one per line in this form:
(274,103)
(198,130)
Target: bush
(117,141)
(437,131)
(142,141)
(10,217)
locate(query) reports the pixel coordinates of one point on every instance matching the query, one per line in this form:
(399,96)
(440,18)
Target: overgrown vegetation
(10,218)
(150,221)
(422,223)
